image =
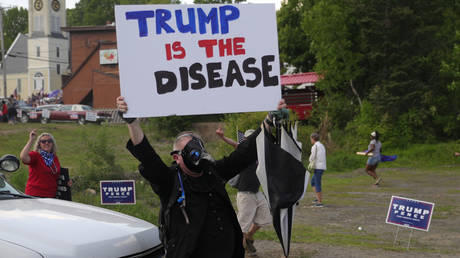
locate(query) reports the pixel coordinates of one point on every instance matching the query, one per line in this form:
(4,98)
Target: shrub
(98,162)
(171,125)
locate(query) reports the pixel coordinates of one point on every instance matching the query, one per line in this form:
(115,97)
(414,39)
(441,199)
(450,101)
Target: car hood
(56,228)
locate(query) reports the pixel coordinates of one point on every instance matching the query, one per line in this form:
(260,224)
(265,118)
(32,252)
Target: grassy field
(426,172)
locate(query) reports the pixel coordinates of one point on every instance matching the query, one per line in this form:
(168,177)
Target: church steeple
(46,17)
(47,45)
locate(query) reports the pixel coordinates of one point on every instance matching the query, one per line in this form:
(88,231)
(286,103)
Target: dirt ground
(347,207)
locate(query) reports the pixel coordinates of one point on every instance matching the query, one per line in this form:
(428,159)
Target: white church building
(35,62)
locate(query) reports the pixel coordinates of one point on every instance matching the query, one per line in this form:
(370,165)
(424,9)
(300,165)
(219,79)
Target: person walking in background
(374,149)
(456,154)
(318,165)
(253,211)
(44,167)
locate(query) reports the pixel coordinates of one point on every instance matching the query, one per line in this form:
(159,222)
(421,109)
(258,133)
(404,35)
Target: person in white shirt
(318,158)
(374,148)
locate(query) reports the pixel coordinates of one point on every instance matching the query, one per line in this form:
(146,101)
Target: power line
(9,7)
(39,59)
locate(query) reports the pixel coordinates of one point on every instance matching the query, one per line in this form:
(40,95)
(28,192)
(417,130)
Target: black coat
(213,230)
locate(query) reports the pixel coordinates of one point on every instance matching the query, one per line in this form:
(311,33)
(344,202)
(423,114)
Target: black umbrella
(283,178)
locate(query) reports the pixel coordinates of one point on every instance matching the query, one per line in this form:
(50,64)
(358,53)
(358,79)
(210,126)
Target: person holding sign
(197,218)
(253,211)
(374,148)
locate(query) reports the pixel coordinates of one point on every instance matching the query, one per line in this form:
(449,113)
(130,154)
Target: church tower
(48,46)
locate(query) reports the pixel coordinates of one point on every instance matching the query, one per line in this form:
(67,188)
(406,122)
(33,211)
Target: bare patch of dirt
(345,211)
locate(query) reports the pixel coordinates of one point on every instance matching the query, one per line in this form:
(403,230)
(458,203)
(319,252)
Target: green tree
(331,29)
(99,12)
(15,20)
(404,46)
(450,70)
(388,53)
(294,45)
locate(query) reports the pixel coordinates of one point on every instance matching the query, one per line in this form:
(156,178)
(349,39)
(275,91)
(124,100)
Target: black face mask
(195,156)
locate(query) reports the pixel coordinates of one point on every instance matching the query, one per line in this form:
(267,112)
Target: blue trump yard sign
(118,192)
(410,213)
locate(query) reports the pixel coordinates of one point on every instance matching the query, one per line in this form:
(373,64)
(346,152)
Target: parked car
(51,228)
(82,114)
(35,114)
(24,111)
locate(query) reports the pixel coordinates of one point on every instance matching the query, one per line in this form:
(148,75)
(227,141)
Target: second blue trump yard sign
(410,213)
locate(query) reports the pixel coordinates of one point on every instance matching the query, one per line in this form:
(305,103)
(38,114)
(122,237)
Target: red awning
(299,78)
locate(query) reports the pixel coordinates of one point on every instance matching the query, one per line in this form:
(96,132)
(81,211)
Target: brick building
(94,78)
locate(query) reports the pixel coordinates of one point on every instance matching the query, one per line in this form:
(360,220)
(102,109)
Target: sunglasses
(46,141)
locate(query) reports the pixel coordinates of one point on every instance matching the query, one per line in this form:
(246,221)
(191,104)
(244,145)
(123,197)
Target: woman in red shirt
(44,167)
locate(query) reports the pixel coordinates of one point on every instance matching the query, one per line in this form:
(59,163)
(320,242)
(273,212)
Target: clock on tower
(38,5)
(56,5)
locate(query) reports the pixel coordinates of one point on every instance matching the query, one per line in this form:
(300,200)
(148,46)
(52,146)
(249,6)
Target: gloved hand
(277,116)
(128,120)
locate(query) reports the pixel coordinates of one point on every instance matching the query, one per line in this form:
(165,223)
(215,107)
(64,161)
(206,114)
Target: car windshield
(49,107)
(7,191)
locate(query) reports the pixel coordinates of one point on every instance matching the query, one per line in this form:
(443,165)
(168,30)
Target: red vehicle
(35,114)
(298,90)
(82,114)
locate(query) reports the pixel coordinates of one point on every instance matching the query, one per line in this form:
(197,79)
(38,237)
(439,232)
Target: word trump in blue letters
(216,16)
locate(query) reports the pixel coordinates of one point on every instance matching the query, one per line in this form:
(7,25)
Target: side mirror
(9,163)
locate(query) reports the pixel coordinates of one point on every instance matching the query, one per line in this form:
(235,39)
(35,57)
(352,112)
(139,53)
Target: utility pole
(3,53)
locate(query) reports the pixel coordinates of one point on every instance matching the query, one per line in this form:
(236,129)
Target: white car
(52,228)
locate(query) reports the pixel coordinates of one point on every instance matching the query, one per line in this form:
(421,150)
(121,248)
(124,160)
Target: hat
(248,132)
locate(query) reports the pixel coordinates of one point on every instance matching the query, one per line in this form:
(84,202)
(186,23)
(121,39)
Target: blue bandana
(47,157)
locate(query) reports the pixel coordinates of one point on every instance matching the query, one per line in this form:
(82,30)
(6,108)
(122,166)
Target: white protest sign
(91,116)
(46,113)
(198,59)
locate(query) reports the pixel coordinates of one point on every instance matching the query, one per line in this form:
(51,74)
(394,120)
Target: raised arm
(25,157)
(152,167)
(220,133)
(135,130)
